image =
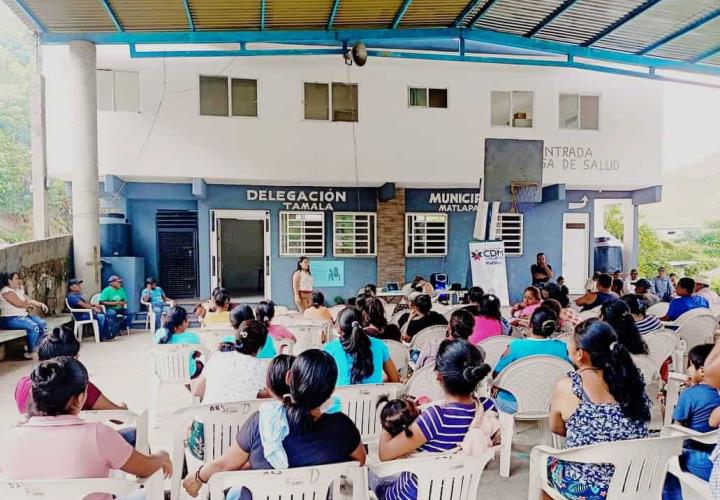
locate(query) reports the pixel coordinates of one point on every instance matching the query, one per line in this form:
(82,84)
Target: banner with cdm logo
(487,263)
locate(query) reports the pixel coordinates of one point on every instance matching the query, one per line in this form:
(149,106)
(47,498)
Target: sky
(691,124)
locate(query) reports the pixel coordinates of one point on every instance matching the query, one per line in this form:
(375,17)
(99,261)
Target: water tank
(115,237)
(608,254)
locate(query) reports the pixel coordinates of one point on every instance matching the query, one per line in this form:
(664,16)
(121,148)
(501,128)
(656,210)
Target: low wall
(45,266)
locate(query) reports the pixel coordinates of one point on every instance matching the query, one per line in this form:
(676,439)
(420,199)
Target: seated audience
(607,388)
(563,288)
(265,312)
(694,408)
(617,287)
(643,288)
(242,313)
(685,300)
(76,300)
(420,317)
(629,282)
(711,376)
(115,300)
(544,324)
(419,284)
(55,443)
(474,297)
(460,327)
(702,289)
(488,321)
(154,298)
(62,343)
(645,322)
(174,331)
(591,300)
(317,310)
(297,434)
(373,314)
(360,359)
(532,298)
(591,283)
(440,427)
(617,314)
(14,305)
(219,311)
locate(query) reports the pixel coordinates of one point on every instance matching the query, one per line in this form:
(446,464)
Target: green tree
(614,221)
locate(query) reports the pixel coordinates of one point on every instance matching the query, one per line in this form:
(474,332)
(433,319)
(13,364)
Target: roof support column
(83,155)
(40,215)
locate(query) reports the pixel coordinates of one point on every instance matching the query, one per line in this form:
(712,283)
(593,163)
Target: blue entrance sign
(327,273)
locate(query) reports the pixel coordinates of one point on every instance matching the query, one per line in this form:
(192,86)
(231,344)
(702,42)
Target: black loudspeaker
(386,192)
(439,281)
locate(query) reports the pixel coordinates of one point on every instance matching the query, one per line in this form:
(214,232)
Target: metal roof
(650,35)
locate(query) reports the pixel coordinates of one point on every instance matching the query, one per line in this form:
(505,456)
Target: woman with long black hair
(302,284)
(360,359)
(174,331)
(311,436)
(602,401)
(617,314)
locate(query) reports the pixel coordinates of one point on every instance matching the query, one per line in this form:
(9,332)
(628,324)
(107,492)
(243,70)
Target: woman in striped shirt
(645,322)
(440,428)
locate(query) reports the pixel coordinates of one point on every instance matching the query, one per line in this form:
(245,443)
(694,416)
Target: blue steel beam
(551,17)
(111,14)
(188,13)
(262,15)
(333,14)
(620,22)
(480,13)
(400,13)
(30,15)
(334,37)
(706,55)
(682,31)
(467,10)
(145,54)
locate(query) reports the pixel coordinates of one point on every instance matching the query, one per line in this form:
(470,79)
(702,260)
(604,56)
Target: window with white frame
(510,230)
(426,234)
(421,97)
(322,98)
(579,112)
(511,109)
(302,233)
(225,96)
(118,90)
(354,234)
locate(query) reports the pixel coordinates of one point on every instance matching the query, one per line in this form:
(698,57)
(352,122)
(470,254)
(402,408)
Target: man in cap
(76,300)
(702,289)
(642,288)
(154,297)
(115,300)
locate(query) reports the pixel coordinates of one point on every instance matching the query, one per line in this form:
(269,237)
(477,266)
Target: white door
(216,262)
(576,248)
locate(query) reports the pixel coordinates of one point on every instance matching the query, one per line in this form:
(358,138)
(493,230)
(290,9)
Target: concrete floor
(121,370)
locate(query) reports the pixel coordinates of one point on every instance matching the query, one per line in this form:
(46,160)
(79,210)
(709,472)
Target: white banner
(487,263)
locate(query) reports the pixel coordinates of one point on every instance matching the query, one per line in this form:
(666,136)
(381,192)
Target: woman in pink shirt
(265,312)
(55,443)
(532,298)
(487,323)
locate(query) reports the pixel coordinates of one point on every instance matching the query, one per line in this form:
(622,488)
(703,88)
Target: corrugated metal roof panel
(150,15)
(432,13)
(516,16)
(367,13)
(71,15)
(297,14)
(691,44)
(226,15)
(661,20)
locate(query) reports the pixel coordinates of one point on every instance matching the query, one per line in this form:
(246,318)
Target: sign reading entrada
(577,158)
(321,199)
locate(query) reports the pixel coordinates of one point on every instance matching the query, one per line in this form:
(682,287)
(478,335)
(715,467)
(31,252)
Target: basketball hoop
(523,196)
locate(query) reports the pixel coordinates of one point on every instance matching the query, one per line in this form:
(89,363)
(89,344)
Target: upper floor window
(579,112)
(340,98)
(421,97)
(511,109)
(118,90)
(224,96)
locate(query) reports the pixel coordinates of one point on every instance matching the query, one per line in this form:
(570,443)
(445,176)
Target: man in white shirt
(630,281)
(702,288)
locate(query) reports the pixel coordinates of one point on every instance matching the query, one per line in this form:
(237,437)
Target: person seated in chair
(591,300)
(154,297)
(643,288)
(76,300)
(115,300)
(685,301)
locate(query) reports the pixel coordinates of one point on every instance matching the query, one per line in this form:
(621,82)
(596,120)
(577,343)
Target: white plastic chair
(150,317)
(119,419)
(389,308)
(592,313)
(284,346)
(308,334)
(425,337)
(400,355)
(79,323)
(673,389)
(494,348)
(287,484)
(693,313)
(335,310)
(170,365)
(423,382)
(532,381)
(95,300)
(698,329)
(689,481)
(212,338)
(660,309)
(395,319)
(221,423)
(648,368)
(360,403)
(440,476)
(664,344)
(640,466)
(74,489)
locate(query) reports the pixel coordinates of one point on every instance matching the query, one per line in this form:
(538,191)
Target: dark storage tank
(608,255)
(115,237)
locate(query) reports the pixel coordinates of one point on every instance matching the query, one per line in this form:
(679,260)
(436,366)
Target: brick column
(391,239)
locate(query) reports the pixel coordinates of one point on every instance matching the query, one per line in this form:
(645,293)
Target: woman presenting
(302,282)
